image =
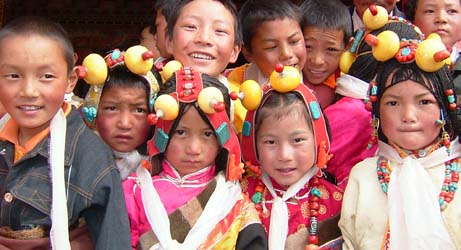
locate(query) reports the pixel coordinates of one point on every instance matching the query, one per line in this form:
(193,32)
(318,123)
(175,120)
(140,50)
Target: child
(122,111)
(296,204)
(163,10)
(405,197)
(205,35)
(192,201)
(326,37)
(56,175)
(350,115)
(266,43)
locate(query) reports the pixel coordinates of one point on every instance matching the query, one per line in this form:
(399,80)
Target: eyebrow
(272,39)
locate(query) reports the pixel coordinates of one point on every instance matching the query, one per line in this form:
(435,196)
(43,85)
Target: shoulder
(364,169)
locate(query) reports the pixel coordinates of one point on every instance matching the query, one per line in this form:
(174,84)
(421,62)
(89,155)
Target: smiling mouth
(29,107)
(201,56)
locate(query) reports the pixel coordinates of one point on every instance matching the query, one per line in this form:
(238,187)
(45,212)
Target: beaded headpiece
(430,55)
(209,101)
(287,79)
(94,70)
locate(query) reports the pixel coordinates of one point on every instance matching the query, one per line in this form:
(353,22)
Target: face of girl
(286,154)
(408,114)
(121,120)
(193,146)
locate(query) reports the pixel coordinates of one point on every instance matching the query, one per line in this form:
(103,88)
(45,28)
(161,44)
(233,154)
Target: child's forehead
(335,33)
(35,45)
(213,9)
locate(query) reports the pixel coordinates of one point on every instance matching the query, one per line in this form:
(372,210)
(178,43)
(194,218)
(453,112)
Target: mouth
(285,171)
(30,107)
(123,137)
(201,56)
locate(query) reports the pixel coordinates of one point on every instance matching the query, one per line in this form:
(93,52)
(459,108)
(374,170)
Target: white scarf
(59,232)
(218,206)
(127,162)
(278,230)
(415,220)
(351,86)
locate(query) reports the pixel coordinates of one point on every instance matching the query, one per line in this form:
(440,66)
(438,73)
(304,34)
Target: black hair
(33,25)
(365,65)
(394,72)
(121,77)
(170,86)
(254,12)
(318,14)
(410,9)
(228,4)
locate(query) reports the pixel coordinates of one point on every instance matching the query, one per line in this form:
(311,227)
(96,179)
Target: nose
(30,88)
(286,53)
(316,58)
(193,146)
(203,35)
(441,16)
(285,152)
(125,120)
(408,114)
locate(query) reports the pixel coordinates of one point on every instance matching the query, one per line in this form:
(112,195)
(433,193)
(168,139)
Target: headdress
(287,79)
(209,101)
(94,70)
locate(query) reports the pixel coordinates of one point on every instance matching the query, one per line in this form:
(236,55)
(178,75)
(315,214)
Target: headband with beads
(210,100)
(283,80)
(94,70)
(430,54)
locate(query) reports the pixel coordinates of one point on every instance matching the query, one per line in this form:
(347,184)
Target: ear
(349,45)
(235,53)
(247,54)
(72,80)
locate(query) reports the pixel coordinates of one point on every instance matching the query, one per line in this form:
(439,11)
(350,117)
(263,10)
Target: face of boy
(33,81)
(160,35)
(323,50)
(285,154)
(203,37)
(440,16)
(273,44)
(121,120)
(362,5)
(408,114)
(193,146)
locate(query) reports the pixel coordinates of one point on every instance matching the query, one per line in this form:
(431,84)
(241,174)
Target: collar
(199,178)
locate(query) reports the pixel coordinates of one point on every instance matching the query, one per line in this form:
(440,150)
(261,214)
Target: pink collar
(199,178)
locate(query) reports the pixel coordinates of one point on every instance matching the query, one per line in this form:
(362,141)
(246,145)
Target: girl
(296,204)
(121,114)
(405,197)
(192,201)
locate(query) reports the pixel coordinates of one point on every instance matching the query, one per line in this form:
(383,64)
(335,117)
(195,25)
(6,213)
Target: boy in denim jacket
(60,186)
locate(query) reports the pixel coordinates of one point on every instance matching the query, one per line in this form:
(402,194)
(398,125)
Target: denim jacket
(93,187)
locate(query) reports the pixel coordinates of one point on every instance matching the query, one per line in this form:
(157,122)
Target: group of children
(284,152)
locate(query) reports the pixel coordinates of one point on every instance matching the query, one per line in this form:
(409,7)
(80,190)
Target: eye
(269,142)
(332,49)
(452,11)
(426,102)
(180,132)
(272,47)
(110,108)
(12,76)
(48,76)
(298,140)
(429,11)
(141,110)
(209,133)
(294,42)
(391,103)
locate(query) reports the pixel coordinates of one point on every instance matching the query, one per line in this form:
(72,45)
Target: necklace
(314,207)
(449,187)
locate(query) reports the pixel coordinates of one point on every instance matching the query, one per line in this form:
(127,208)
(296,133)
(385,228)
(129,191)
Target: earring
(445,137)
(374,134)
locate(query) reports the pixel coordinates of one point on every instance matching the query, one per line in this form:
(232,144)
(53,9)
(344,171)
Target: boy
(271,34)
(163,9)
(205,35)
(48,155)
(326,37)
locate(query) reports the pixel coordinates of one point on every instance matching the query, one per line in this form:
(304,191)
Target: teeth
(29,108)
(201,56)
